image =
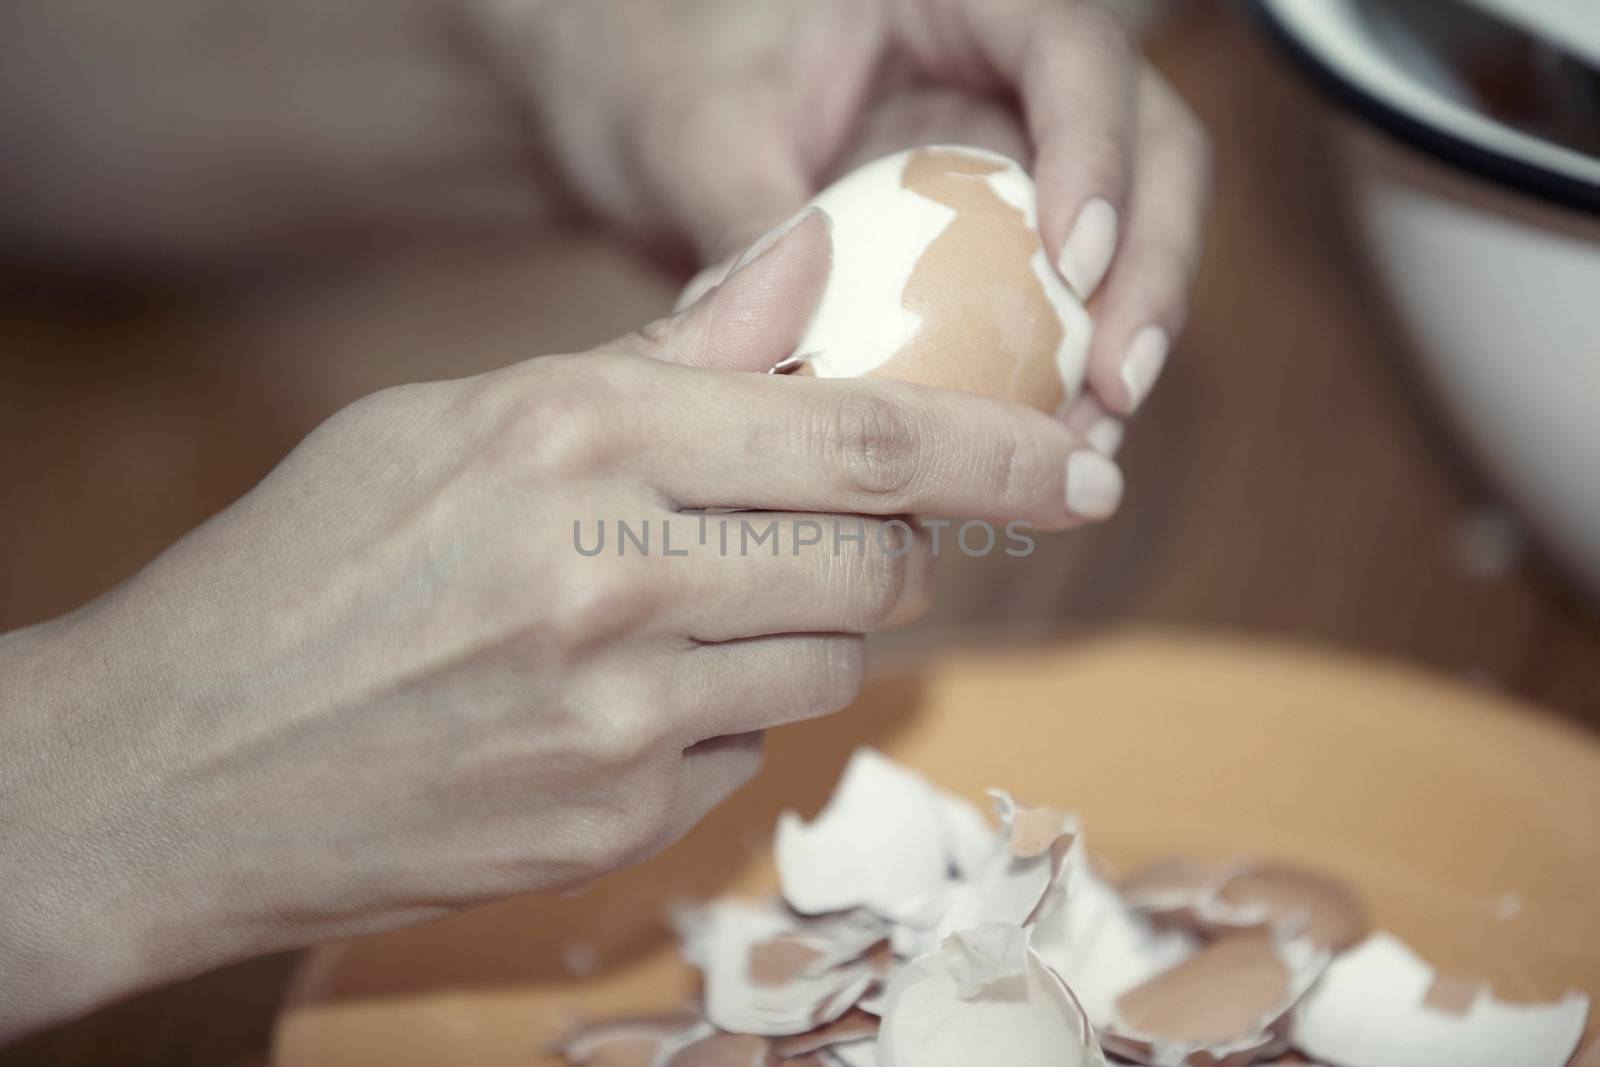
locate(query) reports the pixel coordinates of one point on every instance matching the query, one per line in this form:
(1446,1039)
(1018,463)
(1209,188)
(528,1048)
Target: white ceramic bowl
(1487,240)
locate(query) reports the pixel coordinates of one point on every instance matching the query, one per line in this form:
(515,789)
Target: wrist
(57,958)
(89,912)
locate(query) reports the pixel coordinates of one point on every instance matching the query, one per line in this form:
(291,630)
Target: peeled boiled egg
(939,278)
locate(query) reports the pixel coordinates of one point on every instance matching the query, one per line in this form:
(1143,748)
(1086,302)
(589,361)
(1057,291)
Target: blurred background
(1381,431)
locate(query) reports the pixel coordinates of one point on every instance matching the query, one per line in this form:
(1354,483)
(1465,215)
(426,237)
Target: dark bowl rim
(1521,175)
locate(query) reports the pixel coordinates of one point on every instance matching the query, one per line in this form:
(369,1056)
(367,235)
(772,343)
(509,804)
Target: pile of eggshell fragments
(912,932)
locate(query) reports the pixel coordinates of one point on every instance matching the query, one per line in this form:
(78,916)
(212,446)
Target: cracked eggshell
(969,839)
(1010,886)
(879,843)
(1293,898)
(1380,1005)
(1215,898)
(984,997)
(1099,945)
(767,972)
(1225,1006)
(1174,889)
(939,278)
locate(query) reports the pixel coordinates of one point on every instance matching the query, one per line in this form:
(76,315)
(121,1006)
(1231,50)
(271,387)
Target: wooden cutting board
(1470,823)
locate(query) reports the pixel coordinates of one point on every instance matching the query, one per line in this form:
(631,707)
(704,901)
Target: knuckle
(563,425)
(871,438)
(623,723)
(1020,469)
(630,836)
(875,581)
(841,671)
(917,596)
(652,336)
(601,600)
(602,853)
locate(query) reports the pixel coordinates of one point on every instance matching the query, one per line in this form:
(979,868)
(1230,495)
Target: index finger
(870,447)
(1075,67)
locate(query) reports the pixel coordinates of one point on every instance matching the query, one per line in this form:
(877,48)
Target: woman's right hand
(386,683)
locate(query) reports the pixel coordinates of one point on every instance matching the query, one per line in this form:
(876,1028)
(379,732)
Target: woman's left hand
(707,121)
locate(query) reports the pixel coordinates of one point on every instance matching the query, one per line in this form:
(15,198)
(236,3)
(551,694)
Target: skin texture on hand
(384,684)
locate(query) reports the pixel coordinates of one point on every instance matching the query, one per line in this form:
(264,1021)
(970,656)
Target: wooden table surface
(1164,744)
(1285,479)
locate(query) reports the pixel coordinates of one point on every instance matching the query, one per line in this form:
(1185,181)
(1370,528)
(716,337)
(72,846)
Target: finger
(748,574)
(754,317)
(1146,298)
(1099,427)
(709,773)
(869,447)
(763,682)
(1075,67)
(702,282)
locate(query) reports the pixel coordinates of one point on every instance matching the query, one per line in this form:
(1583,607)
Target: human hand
(711,120)
(698,121)
(385,683)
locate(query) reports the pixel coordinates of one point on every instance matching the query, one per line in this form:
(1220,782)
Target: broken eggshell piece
(1381,1005)
(984,997)
(1294,899)
(772,973)
(1010,883)
(1099,945)
(939,278)
(1225,1006)
(879,843)
(1215,898)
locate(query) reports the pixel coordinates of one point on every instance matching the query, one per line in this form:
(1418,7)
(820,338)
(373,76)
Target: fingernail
(1147,354)
(1094,485)
(1089,247)
(1106,433)
(777,233)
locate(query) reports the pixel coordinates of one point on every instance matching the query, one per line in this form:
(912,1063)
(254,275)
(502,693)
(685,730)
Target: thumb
(756,316)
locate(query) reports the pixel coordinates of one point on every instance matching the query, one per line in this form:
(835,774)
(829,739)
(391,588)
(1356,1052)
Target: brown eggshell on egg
(939,278)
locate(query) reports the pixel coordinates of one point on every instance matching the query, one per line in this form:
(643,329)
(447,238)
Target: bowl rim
(1471,142)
